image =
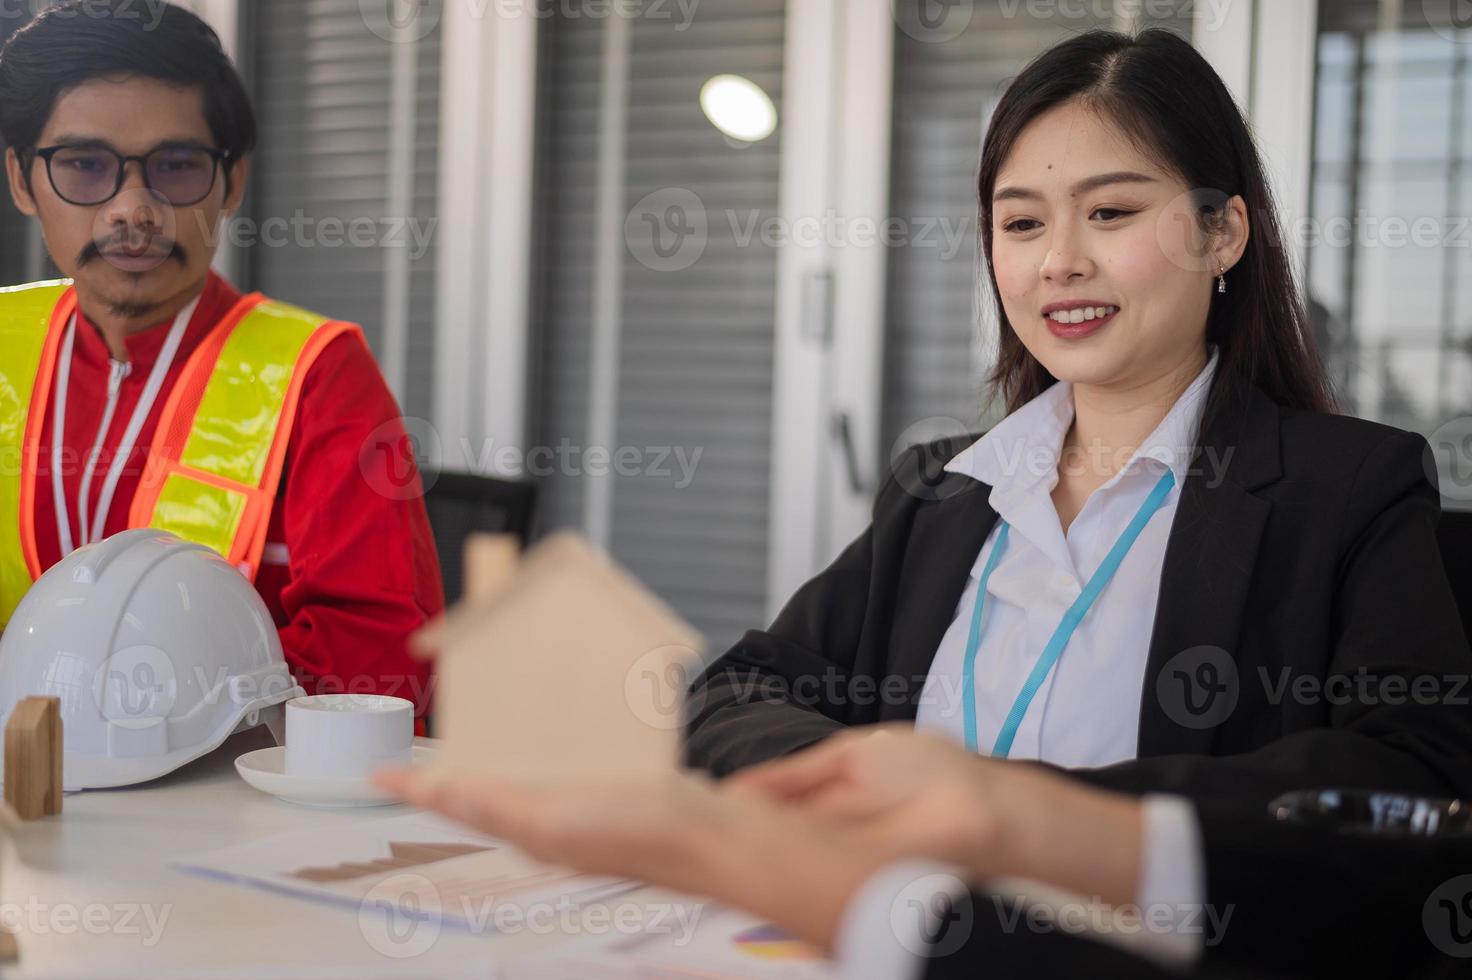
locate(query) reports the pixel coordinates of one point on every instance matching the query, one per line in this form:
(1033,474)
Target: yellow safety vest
(216,461)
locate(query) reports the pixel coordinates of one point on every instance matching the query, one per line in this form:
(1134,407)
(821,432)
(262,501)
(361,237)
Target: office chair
(461,504)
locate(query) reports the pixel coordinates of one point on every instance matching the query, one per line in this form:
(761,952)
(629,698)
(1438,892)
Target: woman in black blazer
(1304,633)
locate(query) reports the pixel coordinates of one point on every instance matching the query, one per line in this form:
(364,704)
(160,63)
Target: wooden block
(33,748)
(573,670)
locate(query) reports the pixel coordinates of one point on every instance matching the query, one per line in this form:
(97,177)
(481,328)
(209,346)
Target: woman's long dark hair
(1174,107)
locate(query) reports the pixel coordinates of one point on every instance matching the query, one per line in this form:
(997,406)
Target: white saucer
(265,769)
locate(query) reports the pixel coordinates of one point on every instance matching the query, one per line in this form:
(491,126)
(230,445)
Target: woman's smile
(1076,319)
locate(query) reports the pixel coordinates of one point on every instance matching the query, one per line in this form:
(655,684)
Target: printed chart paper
(419,865)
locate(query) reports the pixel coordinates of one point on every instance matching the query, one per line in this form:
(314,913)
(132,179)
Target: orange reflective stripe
(183,398)
(276,462)
(220,450)
(31,318)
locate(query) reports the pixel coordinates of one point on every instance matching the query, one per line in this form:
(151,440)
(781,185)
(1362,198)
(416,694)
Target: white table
(78,887)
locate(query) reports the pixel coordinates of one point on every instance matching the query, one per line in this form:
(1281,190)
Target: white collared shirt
(1087,711)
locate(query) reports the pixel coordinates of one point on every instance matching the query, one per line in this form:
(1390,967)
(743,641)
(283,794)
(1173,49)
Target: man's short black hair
(76,41)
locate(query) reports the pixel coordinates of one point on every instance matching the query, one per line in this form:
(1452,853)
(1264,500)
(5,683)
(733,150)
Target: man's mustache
(95,250)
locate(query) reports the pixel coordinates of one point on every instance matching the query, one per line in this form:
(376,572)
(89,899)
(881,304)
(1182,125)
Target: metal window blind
(695,359)
(15,232)
(321,82)
(570,61)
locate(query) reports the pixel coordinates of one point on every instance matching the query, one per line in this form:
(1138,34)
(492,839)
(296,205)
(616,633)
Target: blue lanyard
(1061,635)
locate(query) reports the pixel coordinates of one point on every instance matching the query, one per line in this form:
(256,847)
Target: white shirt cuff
(1172,890)
(1167,922)
(890,927)
(895,922)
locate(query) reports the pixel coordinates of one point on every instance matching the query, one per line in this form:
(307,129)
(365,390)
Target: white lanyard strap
(145,405)
(117,372)
(58,426)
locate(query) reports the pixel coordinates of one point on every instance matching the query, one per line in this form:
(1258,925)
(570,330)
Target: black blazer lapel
(944,540)
(1191,679)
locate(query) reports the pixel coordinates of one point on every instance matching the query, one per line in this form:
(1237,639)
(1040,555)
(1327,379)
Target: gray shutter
(419,369)
(944,95)
(321,81)
(16,264)
(697,344)
(570,62)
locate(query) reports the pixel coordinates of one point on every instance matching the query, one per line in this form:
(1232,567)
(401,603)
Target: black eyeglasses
(91,174)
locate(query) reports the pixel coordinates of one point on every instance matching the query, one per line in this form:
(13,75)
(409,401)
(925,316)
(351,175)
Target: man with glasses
(145,391)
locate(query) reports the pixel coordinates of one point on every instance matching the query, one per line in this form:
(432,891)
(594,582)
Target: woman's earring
(1221,280)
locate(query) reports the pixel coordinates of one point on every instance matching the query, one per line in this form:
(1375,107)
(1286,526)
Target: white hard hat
(158,649)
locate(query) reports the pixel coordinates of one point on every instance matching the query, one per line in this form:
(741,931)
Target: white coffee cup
(347,736)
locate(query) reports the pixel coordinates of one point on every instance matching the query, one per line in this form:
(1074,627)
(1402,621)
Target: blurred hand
(906,793)
(795,839)
(676,832)
(903,793)
(649,830)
